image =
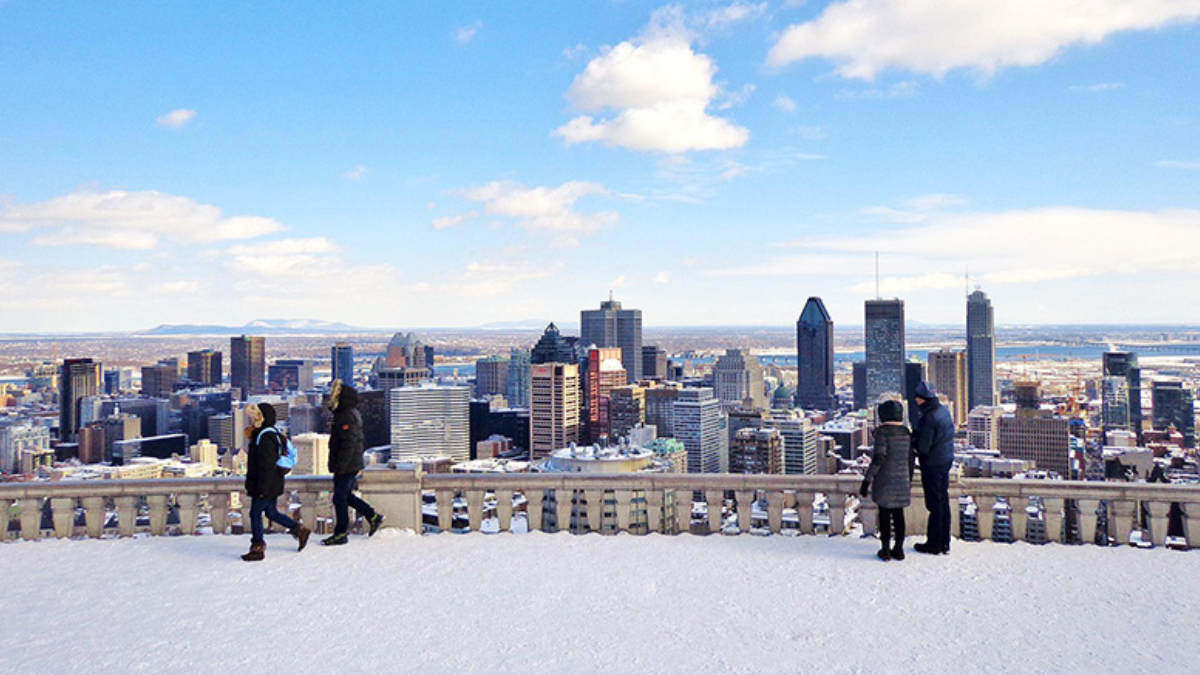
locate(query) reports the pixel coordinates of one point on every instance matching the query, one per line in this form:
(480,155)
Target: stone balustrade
(1066,511)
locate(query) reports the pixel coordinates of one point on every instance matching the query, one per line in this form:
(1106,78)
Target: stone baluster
(837,513)
(31,518)
(916,518)
(564,504)
(308,508)
(1158,521)
(1088,521)
(158,514)
(624,509)
(1121,514)
(683,511)
(445,510)
(1191,523)
(804,512)
(654,510)
(715,499)
(1019,518)
(126,515)
(595,509)
(775,511)
(533,509)
(868,515)
(218,511)
(474,509)
(188,509)
(745,509)
(63,513)
(1053,515)
(94,516)
(244,501)
(955,517)
(504,509)
(985,515)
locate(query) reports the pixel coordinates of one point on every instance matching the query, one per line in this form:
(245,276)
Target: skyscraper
(248,365)
(205,367)
(756,451)
(814,357)
(552,347)
(603,373)
(431,421)
(981,351)
(1035,435)
(1174,407)
(407,351)
(738,380)
(342,356)
(698,425)
(554,410)
(914,375)
(518,378)
(290,375)
(885,348)
(1125,365)
(79,378)
(654,362)
(948,373)
(491,376)
(158,381)
(612,326)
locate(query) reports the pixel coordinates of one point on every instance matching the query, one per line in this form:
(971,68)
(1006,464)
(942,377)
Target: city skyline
(473,163)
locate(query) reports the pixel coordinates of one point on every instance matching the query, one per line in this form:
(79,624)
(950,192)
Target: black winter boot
(257,552)
(301,533)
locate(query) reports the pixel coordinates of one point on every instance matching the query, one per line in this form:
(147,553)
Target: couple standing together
(888,480)
(265,479)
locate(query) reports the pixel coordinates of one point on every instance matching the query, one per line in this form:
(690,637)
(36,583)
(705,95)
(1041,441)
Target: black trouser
(936,483)
(891,522)
(343,498)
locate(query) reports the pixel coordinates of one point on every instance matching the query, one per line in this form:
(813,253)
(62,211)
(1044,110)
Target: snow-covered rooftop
(558,603)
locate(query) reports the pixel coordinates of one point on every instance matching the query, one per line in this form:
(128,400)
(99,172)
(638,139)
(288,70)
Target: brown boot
(257,552)
(300,532)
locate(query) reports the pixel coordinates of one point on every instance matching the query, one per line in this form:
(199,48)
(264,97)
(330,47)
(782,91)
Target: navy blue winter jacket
(933,438)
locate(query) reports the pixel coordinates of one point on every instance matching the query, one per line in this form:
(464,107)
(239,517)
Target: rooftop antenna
(610,295)
(877,296)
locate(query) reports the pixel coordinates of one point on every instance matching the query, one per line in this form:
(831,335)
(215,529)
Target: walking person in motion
(265,479)
(345,463)
(888,479)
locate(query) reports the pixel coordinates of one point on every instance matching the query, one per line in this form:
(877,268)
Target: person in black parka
(889,478)
(345,463)
(933,441)
(264,480)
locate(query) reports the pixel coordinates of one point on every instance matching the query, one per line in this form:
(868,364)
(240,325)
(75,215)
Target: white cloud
(936,202)
(492,278)
(733,13)
(357,173)
(785,103)
(905,89)
(176,119)
(466,34)
(1178,164)
(866,37)
(618,282)
(663,277)
(572,53)
(545,209)
(128,220)
(1097,88)
(659,90)
(446,222)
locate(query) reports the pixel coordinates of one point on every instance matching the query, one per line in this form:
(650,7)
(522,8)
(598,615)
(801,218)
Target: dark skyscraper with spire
(981,351)
(552,347)
(612,326)
(814,357)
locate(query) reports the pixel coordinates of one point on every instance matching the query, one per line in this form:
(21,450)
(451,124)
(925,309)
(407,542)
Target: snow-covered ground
(540,603)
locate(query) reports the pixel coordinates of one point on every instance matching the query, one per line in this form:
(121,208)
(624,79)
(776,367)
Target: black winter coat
(346,435)
(263,478)
(891,467)
(933,439)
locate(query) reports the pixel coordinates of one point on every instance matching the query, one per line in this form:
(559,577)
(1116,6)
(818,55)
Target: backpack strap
(280,442)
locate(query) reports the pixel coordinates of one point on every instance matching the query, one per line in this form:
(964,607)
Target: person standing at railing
(889,478)
(933,441)
(345,463)
(264,480)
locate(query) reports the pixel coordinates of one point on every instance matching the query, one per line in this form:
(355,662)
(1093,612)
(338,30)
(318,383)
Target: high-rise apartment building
(1174,407)
(698,424)
(814,358)
(79,378)
(738,380)
(205,367)
(431,421)
(1125,365)
(342,357)
(981,351)
(518,378)
(660,408)
(799,443)
(248,365)
(491,376)
(612,326)
(554,408)
(885,349)
(948,373)
(626,409)
(1035,435)
(654,363)
(158,381)
(756,451)
(1114,399)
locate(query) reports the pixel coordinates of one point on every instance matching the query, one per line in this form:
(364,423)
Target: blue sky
(452,164)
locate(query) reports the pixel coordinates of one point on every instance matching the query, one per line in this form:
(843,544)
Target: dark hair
(891,411)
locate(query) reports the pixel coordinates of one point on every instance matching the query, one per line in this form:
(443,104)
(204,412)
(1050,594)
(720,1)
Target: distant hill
(260,327)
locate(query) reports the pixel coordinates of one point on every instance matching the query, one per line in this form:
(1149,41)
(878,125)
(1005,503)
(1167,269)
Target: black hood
(268,413)
(347,398)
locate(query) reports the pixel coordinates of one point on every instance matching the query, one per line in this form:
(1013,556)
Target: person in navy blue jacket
(933,442)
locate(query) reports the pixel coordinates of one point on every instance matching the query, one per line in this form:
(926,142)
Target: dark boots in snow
(375,522)
(301,533)
(257,552)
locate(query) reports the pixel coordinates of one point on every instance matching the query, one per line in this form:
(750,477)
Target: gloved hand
(865,489)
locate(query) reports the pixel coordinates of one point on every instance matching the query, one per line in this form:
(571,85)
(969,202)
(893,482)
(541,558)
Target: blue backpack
(287,451)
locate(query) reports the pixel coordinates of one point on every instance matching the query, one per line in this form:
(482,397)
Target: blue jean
(344,485)
(260,506)
(935,481)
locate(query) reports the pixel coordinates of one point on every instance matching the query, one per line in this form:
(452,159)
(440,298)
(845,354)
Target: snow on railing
(1002,510)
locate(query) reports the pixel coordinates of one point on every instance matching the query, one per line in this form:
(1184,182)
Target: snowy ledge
(558,603)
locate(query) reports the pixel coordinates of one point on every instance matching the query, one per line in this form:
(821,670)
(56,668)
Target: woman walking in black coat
(345,461)
(889,478)
(264,480)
